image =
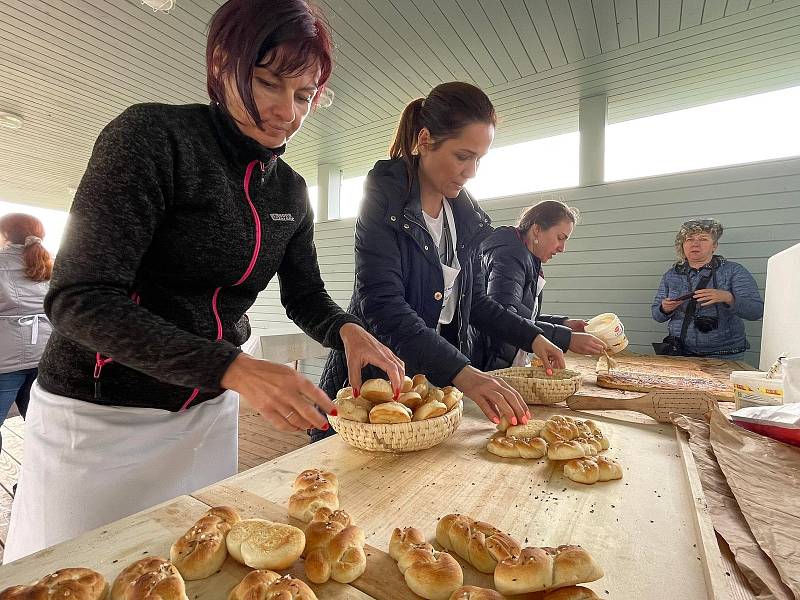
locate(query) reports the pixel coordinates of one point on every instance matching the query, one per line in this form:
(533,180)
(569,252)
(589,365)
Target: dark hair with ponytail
(28,231)
(546,214)
(444,113)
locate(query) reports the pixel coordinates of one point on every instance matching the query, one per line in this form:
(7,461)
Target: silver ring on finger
(289,415)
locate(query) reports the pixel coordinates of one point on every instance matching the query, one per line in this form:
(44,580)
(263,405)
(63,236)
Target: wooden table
(649,531)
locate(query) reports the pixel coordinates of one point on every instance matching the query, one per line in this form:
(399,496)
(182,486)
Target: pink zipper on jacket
(256,249)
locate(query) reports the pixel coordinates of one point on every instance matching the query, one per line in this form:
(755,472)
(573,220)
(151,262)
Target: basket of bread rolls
(421,417)
(537,387)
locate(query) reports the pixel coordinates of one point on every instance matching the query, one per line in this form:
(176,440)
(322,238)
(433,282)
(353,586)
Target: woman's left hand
(578,325)
(708,296)
(362,349)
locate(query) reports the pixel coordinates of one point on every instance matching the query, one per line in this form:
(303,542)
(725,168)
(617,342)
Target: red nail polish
(549,372)
(396,394)
(524,420)
(334,413)
(356,392)
(325,427)
(513,420)
(495,420)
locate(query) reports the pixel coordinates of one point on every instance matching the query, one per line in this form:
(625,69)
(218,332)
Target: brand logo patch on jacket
(282,217)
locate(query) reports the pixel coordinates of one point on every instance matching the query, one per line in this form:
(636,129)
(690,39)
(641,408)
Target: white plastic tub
(752,388)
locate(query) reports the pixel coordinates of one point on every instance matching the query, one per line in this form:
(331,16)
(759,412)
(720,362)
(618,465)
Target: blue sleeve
(748,303)
(655,309)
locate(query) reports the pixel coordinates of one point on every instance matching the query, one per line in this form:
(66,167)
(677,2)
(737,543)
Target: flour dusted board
(641,529)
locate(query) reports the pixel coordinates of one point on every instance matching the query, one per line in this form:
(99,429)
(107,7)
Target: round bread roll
(377,391)
(531,429)
(76,583)
(334,548)
(408,383)
(151,577)
(565,450)
(513,447)
(201,551)
(470,592)
(429,410)
(420,385)
(354,409)
(452,396)
(608,468)
(262,544)
(268,585)
(390,412)
(571,593)
(537,569)
(411,399)
(582,470)
(345,392)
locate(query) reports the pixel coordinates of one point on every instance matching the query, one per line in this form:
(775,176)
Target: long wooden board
(642,529)
(150,533)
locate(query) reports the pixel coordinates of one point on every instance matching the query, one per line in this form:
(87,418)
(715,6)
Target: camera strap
(691,307)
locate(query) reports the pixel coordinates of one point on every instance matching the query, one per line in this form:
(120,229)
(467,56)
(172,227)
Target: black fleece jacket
(179,222)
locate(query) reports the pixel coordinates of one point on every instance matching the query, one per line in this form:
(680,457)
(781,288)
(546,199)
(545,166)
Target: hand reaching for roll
(362,349)
(283,396)
(551,355)
(494,396)
(586,343)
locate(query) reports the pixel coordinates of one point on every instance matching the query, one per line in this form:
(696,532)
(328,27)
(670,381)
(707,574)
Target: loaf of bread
(428,573)
(513,447)
(313,489)
(377,391)
(429,410)
(345,392)
(482,545)
(537,569)
(470,592)
(268,585)
(390,412)
(591,470)
(75,583)
(452,396)
(149,578)
(531,429)
(334,548)
(200,552)
(411,399)
(262,544)
(408,383)
(354,409)
(420,385)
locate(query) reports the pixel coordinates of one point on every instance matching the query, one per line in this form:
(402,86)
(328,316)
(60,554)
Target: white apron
(523,359)
(85,465)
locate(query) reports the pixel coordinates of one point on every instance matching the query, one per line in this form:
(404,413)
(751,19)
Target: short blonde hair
(693,226)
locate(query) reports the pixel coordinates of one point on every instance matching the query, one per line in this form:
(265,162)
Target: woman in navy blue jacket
(419,282)
(512,261)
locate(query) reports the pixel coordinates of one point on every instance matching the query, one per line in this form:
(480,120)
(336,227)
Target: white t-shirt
(436,229)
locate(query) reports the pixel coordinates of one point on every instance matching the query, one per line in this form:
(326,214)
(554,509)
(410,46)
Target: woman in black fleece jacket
(184,215)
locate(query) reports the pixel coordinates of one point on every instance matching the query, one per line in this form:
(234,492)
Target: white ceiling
(70,66)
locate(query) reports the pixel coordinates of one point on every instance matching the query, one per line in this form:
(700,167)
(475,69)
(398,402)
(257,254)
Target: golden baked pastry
(201,551)
(76,583)
(262,544)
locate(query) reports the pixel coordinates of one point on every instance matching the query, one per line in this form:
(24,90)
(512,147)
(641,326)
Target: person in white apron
(184,215)
(25,270)
(419,283)
(512,259)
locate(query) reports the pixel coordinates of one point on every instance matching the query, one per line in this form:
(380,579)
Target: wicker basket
(536,387)
(398,437)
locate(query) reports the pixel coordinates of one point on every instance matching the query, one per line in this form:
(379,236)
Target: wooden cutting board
(636,373)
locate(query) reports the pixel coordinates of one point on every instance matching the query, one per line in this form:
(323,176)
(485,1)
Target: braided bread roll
(592,470)
(268,585)
(147,579)
(201,551)
(482,545)
(513,447)
(334,548)
(428,573)
(313,489)
(74,583)
(470,592)
(537,569)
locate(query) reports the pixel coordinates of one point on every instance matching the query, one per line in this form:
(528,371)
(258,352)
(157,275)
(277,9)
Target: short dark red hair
(246,33)
(27,230)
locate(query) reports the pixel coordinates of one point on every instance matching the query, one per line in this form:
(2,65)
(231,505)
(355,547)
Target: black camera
(706,324)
